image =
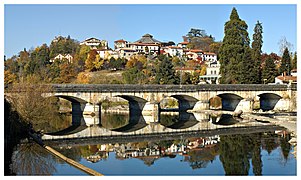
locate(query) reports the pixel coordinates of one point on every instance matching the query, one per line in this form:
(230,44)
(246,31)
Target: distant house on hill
(95,43)
(212,73)
(120,44)
(286,79)
(62,57)
(147,44)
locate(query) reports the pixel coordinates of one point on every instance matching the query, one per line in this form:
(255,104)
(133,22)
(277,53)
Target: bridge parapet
(167,88)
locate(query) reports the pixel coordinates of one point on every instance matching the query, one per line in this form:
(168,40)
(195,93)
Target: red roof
(287,78)
(184,43)
(120,40)
(195,50)
(209,53)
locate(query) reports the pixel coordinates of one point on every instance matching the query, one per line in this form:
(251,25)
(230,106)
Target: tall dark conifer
(269,71)
(234,45)
(256,51)
(285,62)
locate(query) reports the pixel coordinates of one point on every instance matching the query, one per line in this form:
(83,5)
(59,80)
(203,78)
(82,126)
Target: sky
(31,25)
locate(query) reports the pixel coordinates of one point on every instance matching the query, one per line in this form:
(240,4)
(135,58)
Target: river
(265,151)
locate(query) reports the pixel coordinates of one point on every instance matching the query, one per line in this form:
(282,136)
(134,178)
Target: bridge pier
(201,105)
(90,109)
(246,105)
(283,105)
(150,112)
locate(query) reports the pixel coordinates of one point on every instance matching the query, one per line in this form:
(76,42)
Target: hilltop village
(151,48)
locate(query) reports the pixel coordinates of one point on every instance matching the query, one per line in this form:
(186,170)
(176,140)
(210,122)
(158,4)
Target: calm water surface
(261,153)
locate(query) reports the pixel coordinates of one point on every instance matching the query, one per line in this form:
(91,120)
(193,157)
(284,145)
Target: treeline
(242,64)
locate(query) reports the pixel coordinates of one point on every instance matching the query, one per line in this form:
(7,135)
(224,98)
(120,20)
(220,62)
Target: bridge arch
(185,102)
(268,101)
(135,103)
(229,101)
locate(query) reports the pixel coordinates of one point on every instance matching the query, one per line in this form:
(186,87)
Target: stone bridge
(145,99)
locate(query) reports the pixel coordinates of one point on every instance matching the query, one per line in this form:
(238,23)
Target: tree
(89,63)
(256,51)
(235,43)
(196,33)
(294,61)
(285,62)
(283,44)
(165,73)
(133,76)
(269,71)
(249,69)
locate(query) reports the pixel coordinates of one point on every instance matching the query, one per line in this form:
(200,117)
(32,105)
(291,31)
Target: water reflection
(224,119)
(236,153)
(31,159)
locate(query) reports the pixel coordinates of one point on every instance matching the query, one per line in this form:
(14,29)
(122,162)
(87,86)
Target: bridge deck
(166,88)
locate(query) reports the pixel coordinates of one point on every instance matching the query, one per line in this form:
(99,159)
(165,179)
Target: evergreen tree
(269,71)
(285,62)
(165,73)
(249,71)
(234,45)
(256,51)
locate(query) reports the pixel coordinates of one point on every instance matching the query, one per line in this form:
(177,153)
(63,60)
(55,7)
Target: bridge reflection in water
(135,125)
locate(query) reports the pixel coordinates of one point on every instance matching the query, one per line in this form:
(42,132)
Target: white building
(212,73)
(147,44)
(183,44)
(62,57)
(126,52)
(121,44)
(208,56)
(174,50)
(95,43)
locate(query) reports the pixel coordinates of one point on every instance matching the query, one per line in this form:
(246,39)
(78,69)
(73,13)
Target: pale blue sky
(27,26)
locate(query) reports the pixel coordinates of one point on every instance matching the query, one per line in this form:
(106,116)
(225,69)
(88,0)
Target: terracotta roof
(195,50)
(184,43)
(287,78)
(120,40)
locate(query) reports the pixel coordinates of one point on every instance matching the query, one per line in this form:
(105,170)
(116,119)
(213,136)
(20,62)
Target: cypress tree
(256,51)
(249,73)
(285,62)
(234,45)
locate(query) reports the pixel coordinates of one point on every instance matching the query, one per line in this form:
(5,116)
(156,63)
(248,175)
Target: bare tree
(283,43)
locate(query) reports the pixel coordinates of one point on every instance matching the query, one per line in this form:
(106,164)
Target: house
(120,44)
(62,57)
(173,50)
(107,53)
(183,44)
(208,56)
(147,44)
(95,43)
(126,52)
(193,54)
(212,73)
(286,79)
